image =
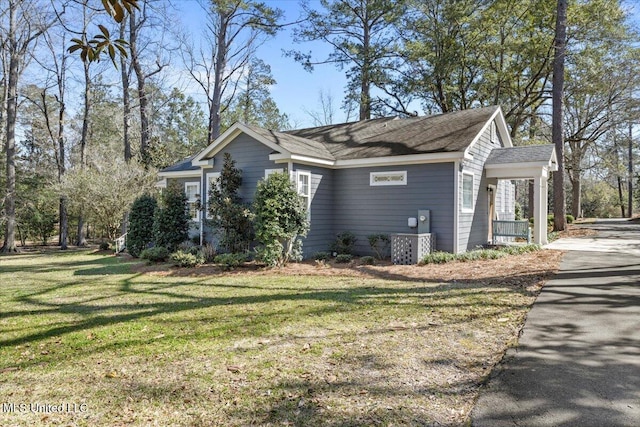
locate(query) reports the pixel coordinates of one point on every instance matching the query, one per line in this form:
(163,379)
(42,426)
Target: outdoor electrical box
(424,221)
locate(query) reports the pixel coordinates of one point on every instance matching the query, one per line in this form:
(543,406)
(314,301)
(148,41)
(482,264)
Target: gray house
(381,175)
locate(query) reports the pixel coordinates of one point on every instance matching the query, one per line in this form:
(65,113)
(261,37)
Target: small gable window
(388,178)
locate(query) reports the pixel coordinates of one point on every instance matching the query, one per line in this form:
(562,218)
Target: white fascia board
(231,133)
(400,160)
(517,172)
(307,160)
(501,126)
(180,174)
(411,159)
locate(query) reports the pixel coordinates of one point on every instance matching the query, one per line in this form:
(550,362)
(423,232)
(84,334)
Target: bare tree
(55,120)
(325,114)
(27,21)
(234,29)
(126,98)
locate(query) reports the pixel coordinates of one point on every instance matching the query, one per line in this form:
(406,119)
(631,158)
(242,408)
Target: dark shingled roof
(294,144)
(521,154)
(390,136)
(182,166)
(387,136)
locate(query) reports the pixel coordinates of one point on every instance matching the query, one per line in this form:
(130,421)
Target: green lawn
(159,349)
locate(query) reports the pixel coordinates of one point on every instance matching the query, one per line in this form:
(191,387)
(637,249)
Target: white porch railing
(121,243)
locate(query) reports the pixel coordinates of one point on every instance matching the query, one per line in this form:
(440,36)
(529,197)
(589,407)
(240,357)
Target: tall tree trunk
(630,173)
(142,95)
(10,143)
(575,178)
(621,197)
(365,82)
(126,99)
(576,196)
(63,217)
(84,137)
(218,69)
(557,130)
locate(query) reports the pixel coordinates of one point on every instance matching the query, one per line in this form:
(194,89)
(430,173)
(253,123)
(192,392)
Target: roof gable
(429,138)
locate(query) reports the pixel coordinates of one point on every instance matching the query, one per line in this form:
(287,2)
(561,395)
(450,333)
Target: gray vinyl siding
(251,157)
(473,227)
(320,233)
(364,209)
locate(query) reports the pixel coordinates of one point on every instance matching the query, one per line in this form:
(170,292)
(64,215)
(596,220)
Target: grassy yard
(138,348)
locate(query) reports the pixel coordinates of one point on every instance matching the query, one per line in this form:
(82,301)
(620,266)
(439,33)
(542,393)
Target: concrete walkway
(578,359)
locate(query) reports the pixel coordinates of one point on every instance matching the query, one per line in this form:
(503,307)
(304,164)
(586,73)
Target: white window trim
(196,193)
(207,178)
(473,186)
(268,172)
(374,183)
(308,175)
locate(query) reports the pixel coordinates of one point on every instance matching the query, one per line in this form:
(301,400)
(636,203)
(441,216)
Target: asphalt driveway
(578,359)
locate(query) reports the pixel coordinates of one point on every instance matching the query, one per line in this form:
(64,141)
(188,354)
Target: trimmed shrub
(438,258)
(104,246)
(380,244)
(155,254)
(186,259)
(344,243)
(367,260)
(171,224)
(321,256)
(344,258)
(280,219)
(231,261)
(140,233)
(570,219)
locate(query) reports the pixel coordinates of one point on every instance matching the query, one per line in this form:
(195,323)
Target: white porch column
(540,191)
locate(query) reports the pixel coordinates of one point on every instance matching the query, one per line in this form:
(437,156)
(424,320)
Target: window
(467,192)
(388,178)
(192,191)
(303,185)
(210,182)
(268,172)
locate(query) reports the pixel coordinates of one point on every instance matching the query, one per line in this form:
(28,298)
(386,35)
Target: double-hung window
(467,192)
(192,191)
(303,185)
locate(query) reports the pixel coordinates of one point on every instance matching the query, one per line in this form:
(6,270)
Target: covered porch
(531,162)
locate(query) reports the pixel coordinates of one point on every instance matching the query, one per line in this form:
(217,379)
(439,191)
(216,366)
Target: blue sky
(296,90)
